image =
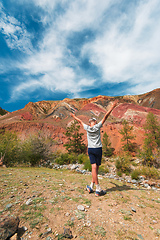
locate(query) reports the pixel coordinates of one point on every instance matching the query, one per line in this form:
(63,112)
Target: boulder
(8,226)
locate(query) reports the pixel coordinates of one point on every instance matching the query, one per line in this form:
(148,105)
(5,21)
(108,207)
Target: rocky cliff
(52,117)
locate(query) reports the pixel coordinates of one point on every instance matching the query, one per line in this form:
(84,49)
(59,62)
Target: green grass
(100,231)
(70,223)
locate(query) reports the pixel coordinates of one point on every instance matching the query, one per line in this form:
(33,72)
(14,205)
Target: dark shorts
(95,155)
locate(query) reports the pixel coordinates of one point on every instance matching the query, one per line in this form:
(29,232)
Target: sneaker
(89,189)
(101,193)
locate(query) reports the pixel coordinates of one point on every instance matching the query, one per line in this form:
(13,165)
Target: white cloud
(15,33)
(125,45)
(129,54)
(24,89)
(82,15)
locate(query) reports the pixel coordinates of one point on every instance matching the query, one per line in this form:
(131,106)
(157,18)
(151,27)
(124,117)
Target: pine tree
(126,131)
(152,140)
(152,129)
(74,142)
(107,149)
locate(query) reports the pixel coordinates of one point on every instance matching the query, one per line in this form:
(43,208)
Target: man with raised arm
(95,147)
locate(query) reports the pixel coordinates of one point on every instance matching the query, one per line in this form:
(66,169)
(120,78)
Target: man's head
(92,121)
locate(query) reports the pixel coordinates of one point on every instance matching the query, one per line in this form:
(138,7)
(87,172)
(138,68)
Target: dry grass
(56,194)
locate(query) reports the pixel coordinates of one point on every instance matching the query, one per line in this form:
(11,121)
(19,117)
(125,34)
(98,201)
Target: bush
(36,150)
(150,158)
(148,172)
(103,169)
(82,158)
(66,158)
(32,151)
(87,165)
(10,148)
(123,165)
(135,174)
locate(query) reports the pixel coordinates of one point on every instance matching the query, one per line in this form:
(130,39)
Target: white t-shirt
(93,135)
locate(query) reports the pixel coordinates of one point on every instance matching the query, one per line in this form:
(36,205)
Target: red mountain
(52,117)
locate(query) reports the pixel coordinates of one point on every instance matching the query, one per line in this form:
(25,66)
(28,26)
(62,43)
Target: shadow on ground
(120,188)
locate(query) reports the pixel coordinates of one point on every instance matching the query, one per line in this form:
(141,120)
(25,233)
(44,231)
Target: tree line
(38,149)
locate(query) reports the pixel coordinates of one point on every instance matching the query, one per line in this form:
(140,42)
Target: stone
(14,237)
(133,209)
(154,221)
(8,227)
(29,201)
(49,230)
(48,238)
(73,167)
(67,233)
(158,232)
(111,176)
(9,206)
(134,181)
(80,208)
(140,236)
(25,228)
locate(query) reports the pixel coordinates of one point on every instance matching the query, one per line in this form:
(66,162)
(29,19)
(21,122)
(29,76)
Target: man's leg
(95,173)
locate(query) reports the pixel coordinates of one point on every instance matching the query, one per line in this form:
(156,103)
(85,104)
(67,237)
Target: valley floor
(47,202)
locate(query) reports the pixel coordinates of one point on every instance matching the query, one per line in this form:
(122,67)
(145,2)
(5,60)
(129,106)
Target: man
(95,147)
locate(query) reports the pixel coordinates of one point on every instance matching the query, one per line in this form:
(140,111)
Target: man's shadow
(124,187)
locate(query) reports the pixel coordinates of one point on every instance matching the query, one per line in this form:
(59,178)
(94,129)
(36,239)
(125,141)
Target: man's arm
(108,113)
(76,118)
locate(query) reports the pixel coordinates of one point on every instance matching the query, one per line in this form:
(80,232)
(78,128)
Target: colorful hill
(52,117)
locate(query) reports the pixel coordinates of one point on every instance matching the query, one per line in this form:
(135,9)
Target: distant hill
(150,99)
(2,111)
(52,117)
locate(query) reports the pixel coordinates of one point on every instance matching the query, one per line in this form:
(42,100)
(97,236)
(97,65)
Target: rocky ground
(53,203)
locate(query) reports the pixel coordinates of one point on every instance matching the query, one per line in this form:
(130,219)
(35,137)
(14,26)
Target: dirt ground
(125,212)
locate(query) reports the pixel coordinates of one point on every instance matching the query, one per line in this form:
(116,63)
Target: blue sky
(50,50)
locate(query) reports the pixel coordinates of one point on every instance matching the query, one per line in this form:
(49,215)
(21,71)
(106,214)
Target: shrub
(10,148)
(135,174)
(36,150)
(66,158)
(103,169)
(123,165)
(87,165)
(148,172)
(82,158)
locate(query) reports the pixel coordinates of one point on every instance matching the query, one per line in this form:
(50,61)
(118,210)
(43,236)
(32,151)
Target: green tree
(2,111)
(74,139)
(36,149)
(151,141)
(9,148)
(107,149)
(127,134)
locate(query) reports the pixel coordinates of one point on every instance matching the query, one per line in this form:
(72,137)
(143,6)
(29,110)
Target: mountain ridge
(52,117)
